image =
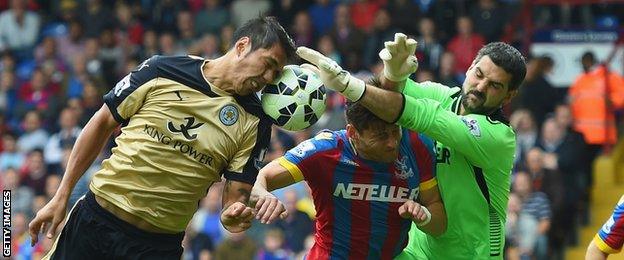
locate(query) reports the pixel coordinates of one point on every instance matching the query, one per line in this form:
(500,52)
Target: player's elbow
(440,229)
(594,253)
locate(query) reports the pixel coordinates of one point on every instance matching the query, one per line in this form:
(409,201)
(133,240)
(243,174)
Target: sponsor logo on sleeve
(472,125)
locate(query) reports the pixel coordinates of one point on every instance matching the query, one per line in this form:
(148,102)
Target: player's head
(493,78)
(373,138)
(262,48)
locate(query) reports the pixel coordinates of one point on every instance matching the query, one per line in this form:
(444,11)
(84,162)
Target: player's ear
(242,46)
(510,95)
(351,131)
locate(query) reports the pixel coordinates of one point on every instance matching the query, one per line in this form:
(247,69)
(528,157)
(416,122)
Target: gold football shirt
(179,135)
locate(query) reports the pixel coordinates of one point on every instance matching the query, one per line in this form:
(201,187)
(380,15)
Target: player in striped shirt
(610,237)
(368,182)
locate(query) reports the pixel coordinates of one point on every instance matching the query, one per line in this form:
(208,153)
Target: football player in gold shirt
(185,123)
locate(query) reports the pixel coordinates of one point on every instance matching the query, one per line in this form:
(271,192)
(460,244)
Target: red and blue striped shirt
(611,236)
(357,200)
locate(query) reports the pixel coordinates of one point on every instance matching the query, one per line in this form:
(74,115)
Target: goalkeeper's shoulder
(431,90)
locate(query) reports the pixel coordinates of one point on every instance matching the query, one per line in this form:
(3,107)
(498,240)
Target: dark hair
(590,56)
(264,32)
(362,118)
(506,57)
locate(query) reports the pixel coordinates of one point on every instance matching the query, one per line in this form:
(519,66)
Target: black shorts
(92,232)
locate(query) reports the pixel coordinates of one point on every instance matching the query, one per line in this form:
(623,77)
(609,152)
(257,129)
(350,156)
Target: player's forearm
(437,225)
(87,147)
(385,104)
(594,253)
(235,191)
(392,85)
(259,189)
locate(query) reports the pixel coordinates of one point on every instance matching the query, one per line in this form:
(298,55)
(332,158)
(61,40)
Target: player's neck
(217,73)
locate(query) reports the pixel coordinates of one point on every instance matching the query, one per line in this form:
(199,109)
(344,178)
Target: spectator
(38,93)
(206,221)
(302,31)
(364,13)
(537,95)
(207,47)
(446,75)
(111,56)
(464,45)
(428,50)
(489,19)
(593,116)
(536,205)
(242,11)
(274,247)
(129,28)
(65,137)
(8,93)
(19,234)
(164,15)
(18,28)
(95,17)
(211,18)
(149,47)
(404,12)
(348,39)
(10,157)
(34,173)
(563,154)
(73,42)
(93,59)
(382,31)
(186,30)
(34,137)
(285,10)
(526,133)
(445,13)
(563,116)
(297,226)
(512,234)
(21,196)
(325,45)
(49,60)
(236,246)
(77,77)
(322,16)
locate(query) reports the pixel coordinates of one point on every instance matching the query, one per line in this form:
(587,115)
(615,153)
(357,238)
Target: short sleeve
(128,95)
(300,159)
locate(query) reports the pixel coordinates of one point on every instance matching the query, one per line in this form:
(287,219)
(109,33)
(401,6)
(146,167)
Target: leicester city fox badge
(228,115)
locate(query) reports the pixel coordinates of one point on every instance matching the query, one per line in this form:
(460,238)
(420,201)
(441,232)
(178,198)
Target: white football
(295,100)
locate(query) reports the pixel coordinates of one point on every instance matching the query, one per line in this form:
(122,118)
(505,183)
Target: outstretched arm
(88,145)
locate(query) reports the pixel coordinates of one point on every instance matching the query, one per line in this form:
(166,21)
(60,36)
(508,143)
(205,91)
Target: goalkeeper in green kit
(474,142)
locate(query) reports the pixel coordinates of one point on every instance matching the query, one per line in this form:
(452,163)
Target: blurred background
(57,59)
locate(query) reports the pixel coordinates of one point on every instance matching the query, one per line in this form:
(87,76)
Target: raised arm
(88,145)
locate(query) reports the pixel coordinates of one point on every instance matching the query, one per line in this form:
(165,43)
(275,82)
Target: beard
(475,105)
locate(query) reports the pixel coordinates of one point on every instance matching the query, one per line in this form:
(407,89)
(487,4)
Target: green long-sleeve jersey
(474,159)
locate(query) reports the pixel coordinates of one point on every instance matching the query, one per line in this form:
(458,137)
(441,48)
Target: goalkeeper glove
(332,75)
(398,58)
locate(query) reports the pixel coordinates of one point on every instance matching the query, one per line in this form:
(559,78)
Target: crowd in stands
(58,58)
